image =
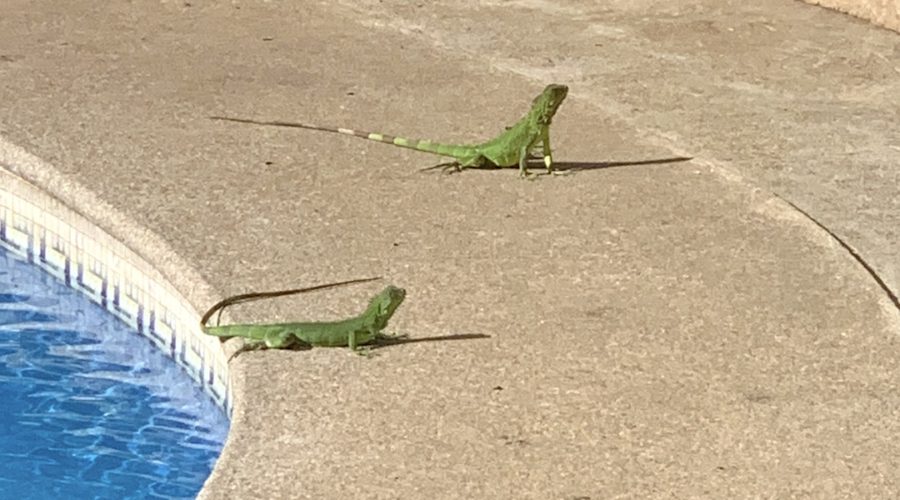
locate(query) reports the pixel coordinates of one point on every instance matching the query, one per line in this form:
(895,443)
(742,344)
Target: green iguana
(509,149)
(352,332)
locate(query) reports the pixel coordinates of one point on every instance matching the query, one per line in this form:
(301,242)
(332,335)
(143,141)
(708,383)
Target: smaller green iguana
(352,332)
(510,149)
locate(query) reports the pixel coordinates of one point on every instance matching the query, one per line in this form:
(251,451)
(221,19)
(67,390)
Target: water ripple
(91,410)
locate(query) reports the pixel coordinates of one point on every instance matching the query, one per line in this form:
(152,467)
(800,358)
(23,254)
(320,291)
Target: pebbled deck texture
(641,328)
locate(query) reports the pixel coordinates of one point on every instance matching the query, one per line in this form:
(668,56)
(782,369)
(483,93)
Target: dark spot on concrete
(759,397)
(509,440)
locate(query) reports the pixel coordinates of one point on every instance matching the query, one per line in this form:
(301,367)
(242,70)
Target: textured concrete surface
(881,12)
(641,328)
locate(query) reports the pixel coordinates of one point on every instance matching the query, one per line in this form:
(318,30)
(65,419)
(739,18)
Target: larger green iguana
(509,149)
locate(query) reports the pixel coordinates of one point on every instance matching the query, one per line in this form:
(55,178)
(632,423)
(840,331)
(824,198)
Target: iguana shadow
(577,166)
(537,166)
(385,341)
(380,342)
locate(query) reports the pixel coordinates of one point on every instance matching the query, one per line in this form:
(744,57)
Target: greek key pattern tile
(62,243)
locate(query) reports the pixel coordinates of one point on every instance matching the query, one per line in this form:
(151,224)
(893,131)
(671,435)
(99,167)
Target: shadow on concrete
(381,342)
(577,166)
(563,166)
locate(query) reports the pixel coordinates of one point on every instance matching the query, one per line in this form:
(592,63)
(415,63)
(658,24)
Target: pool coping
(39,222)
(278,458)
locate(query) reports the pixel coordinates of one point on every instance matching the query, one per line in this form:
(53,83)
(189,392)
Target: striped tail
(425,145)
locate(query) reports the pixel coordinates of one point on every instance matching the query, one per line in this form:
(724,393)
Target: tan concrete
(656,329)
(881,12)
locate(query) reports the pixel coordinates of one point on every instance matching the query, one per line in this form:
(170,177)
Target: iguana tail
(247,297)
(454,150)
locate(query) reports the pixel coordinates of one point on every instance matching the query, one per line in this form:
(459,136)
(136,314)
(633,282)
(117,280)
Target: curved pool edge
(779,209)
(69,232)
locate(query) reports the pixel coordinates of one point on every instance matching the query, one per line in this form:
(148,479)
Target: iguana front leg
(545,143)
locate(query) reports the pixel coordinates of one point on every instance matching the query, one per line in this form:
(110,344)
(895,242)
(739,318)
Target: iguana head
(385,303)
(545,105)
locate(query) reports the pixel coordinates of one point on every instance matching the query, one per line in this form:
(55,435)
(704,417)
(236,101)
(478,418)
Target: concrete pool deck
(645,327)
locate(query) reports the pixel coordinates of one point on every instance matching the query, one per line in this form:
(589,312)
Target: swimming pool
(91,409)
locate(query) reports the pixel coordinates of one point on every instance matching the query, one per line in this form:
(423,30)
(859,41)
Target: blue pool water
(89,409)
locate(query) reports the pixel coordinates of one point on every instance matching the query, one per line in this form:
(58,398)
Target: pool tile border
(49,234)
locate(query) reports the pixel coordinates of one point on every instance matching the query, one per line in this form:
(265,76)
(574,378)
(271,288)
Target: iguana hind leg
(457,165)
(279,340)
(248,346)
(523,163)
(450,167)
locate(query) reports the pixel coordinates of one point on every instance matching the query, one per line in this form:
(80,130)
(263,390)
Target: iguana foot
(246,347)
(451,167)
(392,336)
(364,351)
